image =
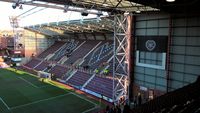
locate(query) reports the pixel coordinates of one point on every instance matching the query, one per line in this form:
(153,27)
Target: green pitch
(21,92)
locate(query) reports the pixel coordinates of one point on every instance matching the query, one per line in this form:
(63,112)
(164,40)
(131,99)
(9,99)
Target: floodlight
(14,5)
(170,0)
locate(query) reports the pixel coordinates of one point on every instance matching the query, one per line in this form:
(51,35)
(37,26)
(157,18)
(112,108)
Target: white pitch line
(95,105)
(39,101)
(84,99)
(44,86)
(33,84)
(28,82)
(90,109)
(5,103)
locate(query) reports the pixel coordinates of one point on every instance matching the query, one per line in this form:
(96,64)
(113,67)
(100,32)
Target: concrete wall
(184,53)
(35,43)
(151,25)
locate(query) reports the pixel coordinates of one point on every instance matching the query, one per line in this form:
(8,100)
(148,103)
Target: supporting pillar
(85,35)
(94,36)
(168,53)
(130,55)
(121,65)
(36,44)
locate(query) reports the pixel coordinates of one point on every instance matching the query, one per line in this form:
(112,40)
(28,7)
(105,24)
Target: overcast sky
(44,16)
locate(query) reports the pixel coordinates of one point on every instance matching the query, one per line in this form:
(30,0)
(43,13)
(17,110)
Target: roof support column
(122,34)
(130,54)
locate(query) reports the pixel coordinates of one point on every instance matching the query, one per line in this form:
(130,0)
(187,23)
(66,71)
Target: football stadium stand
(58,70)
(42,66)
(83,58)
(183,100)
(79,79)
(102,86)
(34,62)
(51,50)
(141,56)
(83,50)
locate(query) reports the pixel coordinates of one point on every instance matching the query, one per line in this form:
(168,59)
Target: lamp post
(14,22)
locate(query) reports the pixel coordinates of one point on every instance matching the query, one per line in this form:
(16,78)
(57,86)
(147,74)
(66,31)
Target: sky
(44,16)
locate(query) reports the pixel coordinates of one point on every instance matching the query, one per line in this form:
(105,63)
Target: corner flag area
(21,92)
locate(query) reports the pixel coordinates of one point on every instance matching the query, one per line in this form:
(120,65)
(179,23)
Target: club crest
(150,45)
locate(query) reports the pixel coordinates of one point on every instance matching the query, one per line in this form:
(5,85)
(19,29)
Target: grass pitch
(21,92)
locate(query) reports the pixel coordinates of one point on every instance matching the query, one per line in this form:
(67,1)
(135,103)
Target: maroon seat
(59,71)
(51,49)
(81,51)
(32,63)
(103,86)
(42,66)
(79,78)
